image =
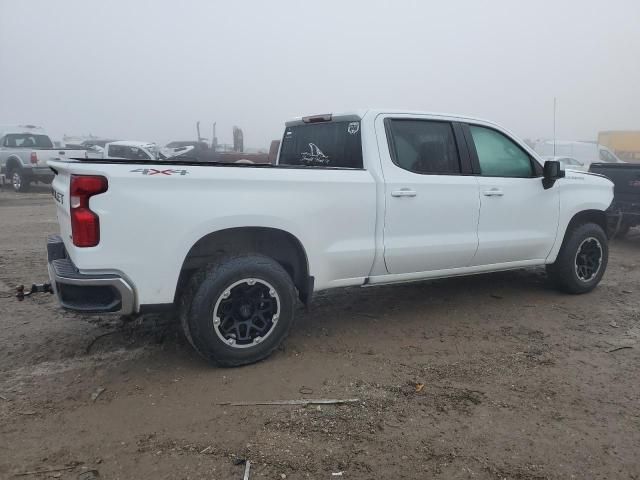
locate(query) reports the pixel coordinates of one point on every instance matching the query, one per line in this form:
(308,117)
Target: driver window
(498,155)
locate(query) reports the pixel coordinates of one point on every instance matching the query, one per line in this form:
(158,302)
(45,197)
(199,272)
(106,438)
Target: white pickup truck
(133,150)
(24,152)
(366,198)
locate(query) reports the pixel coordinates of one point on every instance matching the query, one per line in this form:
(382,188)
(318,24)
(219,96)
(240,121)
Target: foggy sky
(147,70)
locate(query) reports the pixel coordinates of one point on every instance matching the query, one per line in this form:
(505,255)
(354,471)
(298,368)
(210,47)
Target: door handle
(494,192)
(404,192)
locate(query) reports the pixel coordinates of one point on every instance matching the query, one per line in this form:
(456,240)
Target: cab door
(431,197)
(518,217)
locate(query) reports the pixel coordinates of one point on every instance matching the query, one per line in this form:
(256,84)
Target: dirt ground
(487,377)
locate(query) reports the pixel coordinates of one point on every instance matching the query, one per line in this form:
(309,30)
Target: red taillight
(85,224)
(34,157)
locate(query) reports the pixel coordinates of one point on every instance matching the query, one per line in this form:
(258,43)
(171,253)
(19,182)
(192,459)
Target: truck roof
(7,129)
(133,143)
(359,114)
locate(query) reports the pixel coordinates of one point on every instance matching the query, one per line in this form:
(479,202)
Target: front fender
(579,192)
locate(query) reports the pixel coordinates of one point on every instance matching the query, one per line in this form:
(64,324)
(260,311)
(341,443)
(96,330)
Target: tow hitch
(35,288)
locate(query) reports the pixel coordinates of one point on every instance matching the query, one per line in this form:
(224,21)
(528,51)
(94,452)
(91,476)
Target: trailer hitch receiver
(35,288)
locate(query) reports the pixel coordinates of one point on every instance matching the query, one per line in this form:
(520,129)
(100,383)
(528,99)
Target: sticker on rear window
(353,128)
(315,155)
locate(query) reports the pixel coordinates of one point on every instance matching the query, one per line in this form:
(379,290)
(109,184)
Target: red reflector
(85,224)
(34,157)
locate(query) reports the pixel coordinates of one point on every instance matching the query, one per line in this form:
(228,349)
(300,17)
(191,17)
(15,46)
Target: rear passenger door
(518,217)
(431,197)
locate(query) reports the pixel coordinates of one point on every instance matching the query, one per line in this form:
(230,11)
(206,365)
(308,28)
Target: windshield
(27,140)
(570,161)
(608,157)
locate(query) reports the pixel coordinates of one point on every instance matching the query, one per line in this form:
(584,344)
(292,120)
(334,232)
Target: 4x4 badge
(155,171)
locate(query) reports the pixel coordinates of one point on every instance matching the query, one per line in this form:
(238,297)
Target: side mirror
(552,172)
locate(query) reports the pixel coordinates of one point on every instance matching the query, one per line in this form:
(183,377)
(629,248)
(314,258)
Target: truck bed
(625,177)
(164,208)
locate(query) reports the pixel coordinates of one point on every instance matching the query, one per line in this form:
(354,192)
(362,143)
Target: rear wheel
(582,259)
(19,181)
(238,310)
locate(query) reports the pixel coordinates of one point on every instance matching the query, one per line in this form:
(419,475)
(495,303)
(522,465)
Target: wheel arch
(282,246)
(591,215)
(12,162)
(599,217)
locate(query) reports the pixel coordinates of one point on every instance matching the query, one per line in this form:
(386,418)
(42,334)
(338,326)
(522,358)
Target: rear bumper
(103,293)
(44,173)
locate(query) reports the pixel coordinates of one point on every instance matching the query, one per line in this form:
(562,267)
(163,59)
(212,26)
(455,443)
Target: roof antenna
(554,125)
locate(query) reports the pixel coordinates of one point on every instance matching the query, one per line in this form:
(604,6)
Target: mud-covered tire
(20,182)
(569,272)
(207,288)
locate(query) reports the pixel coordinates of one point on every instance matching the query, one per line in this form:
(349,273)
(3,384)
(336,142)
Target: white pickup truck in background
(366,198)
(24,153)
(134,150)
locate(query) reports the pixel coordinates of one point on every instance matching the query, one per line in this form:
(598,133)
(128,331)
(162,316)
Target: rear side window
(117,151)
(607,157)
(424,146)
(331,144)
(498,155)
(127,152)
(27,140)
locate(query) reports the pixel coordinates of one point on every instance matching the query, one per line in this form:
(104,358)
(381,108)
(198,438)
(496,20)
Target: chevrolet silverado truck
(24,153)
(624,212)
(358,199)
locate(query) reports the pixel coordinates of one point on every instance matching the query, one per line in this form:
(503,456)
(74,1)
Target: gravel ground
(486,377)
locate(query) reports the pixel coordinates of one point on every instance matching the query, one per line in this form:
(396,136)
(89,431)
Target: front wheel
(582,259)
(238,310)
(19,181)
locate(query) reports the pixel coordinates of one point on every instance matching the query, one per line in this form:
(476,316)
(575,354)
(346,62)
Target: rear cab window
(27,140)
(322,145)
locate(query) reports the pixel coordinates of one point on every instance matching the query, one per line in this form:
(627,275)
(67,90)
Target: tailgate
(625,177)
(45,156)
(64,170)
(60,191)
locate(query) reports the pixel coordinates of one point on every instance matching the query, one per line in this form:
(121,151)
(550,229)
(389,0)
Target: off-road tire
(23,181)
(563,272)
(204,289)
